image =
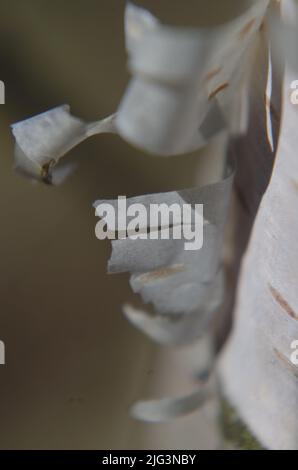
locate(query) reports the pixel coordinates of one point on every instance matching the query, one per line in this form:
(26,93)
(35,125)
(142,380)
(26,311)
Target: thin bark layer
(256,370)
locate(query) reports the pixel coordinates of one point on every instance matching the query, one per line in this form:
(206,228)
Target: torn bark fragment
(163,272)
(43,139)
(185,80)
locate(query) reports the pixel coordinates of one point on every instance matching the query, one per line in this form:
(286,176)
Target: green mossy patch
(235,431)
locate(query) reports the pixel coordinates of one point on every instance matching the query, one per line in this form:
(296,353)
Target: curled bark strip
(156,411)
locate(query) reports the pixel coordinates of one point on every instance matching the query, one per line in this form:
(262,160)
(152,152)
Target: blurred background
(73,364)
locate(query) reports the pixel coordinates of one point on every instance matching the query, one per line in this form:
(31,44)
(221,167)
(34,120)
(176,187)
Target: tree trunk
(256,369)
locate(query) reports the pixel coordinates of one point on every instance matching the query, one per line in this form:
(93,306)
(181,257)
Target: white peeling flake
(178,76)
(43,139)
(176,281)
(137,21)
(179,330)
(156,411)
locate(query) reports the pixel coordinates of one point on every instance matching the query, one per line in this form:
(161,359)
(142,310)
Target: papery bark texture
(256,371)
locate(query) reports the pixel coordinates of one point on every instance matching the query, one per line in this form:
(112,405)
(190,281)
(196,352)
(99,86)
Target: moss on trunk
(234,430)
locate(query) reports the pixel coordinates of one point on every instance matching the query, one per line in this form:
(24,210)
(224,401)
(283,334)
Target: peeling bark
(255,369)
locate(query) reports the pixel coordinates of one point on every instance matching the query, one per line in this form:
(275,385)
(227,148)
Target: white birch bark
(258,376)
